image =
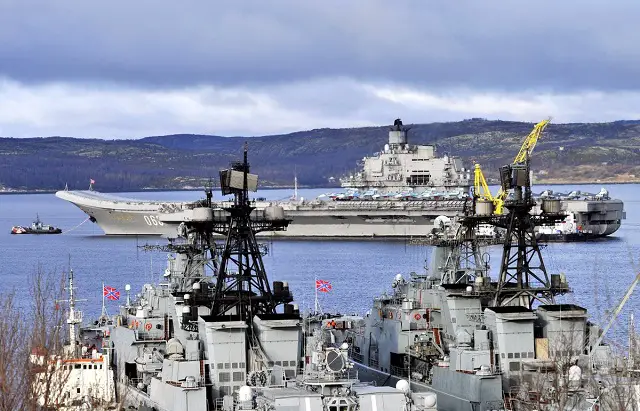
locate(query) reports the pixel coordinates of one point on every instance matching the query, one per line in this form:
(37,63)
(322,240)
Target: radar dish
(335,361)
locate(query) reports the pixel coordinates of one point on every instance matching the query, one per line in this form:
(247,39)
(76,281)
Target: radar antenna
(242,287)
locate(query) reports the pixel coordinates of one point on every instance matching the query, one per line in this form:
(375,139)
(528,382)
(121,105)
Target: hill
(577,152)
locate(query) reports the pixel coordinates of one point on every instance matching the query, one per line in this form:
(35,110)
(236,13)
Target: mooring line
(70,230)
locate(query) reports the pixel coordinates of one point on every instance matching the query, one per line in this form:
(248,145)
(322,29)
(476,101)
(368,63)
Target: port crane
(615,314)
(481,189)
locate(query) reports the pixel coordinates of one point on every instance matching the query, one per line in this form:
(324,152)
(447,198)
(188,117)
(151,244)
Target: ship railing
(395,204)
(133,382)
(147,336)
(357,357)
(399,371)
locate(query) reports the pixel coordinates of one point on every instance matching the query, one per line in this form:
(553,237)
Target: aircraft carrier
(398,193)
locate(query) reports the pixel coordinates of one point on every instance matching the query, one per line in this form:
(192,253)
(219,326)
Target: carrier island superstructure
(398,193)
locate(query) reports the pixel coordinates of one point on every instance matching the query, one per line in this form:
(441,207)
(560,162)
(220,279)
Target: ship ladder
(508,401)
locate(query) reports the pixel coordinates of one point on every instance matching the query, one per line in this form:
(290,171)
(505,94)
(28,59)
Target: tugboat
(37,227)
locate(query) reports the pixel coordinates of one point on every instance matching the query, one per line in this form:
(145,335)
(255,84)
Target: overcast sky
(127,69)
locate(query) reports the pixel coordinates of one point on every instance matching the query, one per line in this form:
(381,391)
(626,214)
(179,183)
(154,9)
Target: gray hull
(127,222)
(456,391)
(325,220)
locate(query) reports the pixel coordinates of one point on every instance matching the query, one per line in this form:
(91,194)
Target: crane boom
(530,142)
(525,151)
(480,187)
(616,312)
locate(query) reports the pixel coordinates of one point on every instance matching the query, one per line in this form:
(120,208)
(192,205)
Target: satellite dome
(430,400)
(403,386)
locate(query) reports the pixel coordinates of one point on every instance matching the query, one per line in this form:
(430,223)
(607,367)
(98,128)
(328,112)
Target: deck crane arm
(525,151)
(616,312)
(480,187)
(530,142)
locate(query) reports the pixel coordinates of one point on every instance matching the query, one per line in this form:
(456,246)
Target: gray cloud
(484,45)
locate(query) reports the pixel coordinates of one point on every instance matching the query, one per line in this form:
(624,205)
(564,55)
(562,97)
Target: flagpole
(104,308)
(315,308)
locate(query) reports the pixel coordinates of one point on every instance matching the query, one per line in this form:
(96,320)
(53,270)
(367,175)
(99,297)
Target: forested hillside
(578,152)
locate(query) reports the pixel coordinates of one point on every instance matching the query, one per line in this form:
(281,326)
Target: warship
(81,376)
(485,345)
(410,187)
(398,193)
(216,335)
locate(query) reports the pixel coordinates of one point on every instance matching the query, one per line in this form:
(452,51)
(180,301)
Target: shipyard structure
(398,193)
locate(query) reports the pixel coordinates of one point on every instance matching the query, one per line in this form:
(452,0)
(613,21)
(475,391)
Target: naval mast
(242,286)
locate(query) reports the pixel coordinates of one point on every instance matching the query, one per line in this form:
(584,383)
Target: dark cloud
(500,45)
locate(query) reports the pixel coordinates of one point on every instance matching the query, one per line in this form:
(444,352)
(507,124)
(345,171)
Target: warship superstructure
(398,193)
(217,335)
(482,344)
(81,375)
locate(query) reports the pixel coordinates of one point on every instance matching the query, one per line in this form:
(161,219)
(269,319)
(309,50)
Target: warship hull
(326,220)
(455,390)
(349,219)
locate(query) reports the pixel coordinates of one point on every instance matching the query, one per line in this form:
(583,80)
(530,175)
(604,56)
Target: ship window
(510,355)
(502,355)
(220,365)
(227,365)
(238,376)
(289,373)
(517,355)
(84,366)
(241,365)
(95,366)
(524,355)
(100,366)
(270,364)
(514,366)
(224,377)
(224,390)
(285,363)
(234,365)
(530,354)
(78,390)
(278,362)
(159,326)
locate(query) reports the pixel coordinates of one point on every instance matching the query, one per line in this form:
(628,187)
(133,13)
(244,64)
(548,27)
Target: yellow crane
(481,189)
